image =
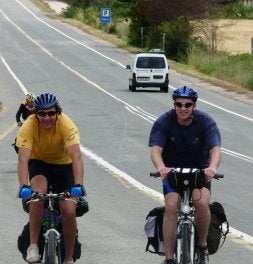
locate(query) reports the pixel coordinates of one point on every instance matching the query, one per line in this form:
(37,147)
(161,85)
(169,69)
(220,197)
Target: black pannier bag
(24,242)
(77,248)
(216,233)
(154,230)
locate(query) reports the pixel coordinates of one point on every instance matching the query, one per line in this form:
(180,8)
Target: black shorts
(59,176)
(168,189)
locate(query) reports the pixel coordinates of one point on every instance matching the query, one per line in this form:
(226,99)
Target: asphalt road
(90,79)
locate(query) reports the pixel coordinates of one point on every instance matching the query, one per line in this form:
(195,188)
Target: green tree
(178,38)
(151,14)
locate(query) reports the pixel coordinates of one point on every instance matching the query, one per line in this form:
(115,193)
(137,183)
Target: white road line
(119,63)
(87,152)
(67,36)
(109,167)
(234,233)
(14,76)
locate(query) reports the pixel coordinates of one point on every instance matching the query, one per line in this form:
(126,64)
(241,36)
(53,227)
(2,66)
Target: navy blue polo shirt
(185,146)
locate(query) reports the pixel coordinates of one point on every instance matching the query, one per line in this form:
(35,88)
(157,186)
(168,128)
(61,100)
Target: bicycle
(184,180)
(52,253)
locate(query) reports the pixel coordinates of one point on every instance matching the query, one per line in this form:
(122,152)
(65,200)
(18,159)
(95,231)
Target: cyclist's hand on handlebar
(25,192)
(164,172)
(77,190)
(210,172)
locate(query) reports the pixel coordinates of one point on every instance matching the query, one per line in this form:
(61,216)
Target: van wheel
(164,89)
(132,88)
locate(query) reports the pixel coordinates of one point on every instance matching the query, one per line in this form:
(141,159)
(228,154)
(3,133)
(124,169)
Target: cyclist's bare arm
(215,157)
(77,163)
(156,157)
(24,155)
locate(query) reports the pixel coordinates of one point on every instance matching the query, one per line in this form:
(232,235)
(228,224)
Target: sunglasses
(43,114)
(180,105)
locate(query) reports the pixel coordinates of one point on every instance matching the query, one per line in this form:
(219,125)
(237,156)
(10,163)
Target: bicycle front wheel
(50,248)
(186,234)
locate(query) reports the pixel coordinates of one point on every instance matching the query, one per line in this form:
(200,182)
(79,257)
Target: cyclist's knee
(68,213)
(171,207)
(201,197)
(202,204)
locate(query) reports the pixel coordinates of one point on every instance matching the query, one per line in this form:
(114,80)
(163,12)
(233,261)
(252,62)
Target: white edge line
(234,232)
(120,173)
(14,76)
(238,234)
(74,40)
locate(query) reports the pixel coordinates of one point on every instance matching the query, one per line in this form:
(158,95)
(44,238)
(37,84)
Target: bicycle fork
(186,233)
(186,238)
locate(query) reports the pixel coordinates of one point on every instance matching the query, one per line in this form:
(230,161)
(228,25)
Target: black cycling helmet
(185,92)
(46,101)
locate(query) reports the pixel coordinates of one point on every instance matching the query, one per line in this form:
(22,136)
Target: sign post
(105,15)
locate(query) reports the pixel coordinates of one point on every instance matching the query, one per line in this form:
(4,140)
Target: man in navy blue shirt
(188,138)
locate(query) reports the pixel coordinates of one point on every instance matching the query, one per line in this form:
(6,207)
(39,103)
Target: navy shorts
(167,188)
(59,176)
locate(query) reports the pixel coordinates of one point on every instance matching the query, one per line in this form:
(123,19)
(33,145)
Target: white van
(149,69)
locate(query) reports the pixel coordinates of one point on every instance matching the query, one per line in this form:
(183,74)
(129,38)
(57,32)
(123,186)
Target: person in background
(26,108)
(185,137)
(50,155)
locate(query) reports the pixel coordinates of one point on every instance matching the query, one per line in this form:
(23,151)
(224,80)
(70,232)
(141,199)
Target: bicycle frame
(186,231)
(185,180)
(52,249)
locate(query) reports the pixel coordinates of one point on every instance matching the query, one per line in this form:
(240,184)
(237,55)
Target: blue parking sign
(105,15)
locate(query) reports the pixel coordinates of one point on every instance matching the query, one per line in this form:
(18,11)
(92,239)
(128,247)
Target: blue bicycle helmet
(46,101)
(185,92)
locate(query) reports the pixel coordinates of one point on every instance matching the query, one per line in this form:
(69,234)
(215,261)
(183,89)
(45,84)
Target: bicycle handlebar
(156,174)
(36,197)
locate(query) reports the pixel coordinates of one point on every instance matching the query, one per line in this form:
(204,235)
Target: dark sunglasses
(180,105)
(50,113)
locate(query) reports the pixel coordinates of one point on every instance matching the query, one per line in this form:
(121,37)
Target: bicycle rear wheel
(186,235)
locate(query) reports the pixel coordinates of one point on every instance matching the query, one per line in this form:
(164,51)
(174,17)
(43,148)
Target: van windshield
(150,62)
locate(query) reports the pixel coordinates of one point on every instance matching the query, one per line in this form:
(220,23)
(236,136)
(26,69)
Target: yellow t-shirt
(49,145)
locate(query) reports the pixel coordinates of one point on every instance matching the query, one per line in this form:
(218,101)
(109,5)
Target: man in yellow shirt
(50,155)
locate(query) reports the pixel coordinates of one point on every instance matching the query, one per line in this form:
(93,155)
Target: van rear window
(150,62)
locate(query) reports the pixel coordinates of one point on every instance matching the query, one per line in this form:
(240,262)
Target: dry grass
(42,5)
(235,36)
(100,34)
(212,80)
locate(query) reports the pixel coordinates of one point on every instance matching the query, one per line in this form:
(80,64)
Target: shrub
(90,16)
(250,83)
(134,33)
(70,11)
(178,38)
(239,10)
